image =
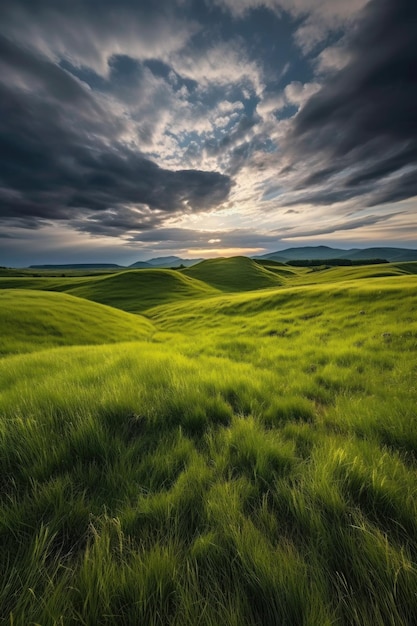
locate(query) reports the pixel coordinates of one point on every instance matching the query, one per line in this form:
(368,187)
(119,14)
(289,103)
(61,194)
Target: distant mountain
(141,265)
(163,260)
(271,256)
(77,266)
(390,254)
(166,261)
(305,253)
(354,254)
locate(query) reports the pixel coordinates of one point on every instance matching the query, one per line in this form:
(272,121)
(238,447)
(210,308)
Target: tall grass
(252,462)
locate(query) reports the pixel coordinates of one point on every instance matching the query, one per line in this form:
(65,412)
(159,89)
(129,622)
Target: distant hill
(326,252)
(390,254)
(172,261)
(77,266)
(305,253)
(141,265)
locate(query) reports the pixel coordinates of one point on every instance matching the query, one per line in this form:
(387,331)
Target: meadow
(226,445)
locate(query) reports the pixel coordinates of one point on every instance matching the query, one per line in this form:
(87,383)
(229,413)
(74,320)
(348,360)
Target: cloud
(332,59)
(296,93)
(89,32)
(318,17)
(271,102)
(358,133)
(400,187)
(64,158)
(223,63)
(332,8)
(193,238)
(233,138)
(339,226)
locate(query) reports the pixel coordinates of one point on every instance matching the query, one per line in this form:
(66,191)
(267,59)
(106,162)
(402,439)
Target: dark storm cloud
(362,125)
(62,157)
(318,177)
(18,64)
(118,222)
(401,188)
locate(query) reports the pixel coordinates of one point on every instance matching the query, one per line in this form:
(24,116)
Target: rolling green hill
(34,320)
(234,274)
(253,464)
(281,269)
(48,282)
(138,290)
(131,290)
(328,275)
(346,305)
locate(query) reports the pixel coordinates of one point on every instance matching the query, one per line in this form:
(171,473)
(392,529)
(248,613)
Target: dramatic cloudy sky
(139,128)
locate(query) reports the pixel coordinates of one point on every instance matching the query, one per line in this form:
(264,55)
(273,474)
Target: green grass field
(232,444)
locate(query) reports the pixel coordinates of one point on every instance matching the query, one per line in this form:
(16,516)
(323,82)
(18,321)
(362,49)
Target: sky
(131,129)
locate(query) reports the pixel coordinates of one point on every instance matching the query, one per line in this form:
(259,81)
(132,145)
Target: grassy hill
(255,464)
(136,291)
(34,320)
(281,269)
(49,282)
(132,290)
(233,274)
(326,275)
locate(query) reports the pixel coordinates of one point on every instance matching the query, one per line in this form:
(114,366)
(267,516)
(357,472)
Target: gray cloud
(236,238)
(235,136)
(340,226)
(360,130)
(89,32)
(64,157)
